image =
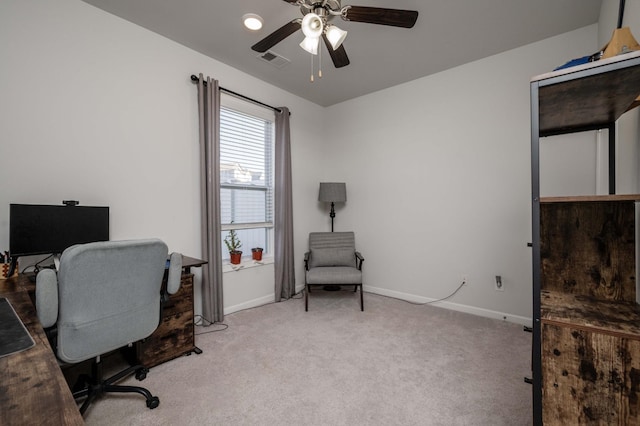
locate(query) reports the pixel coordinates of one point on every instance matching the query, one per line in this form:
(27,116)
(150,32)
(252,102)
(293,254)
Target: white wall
(438,179)
(96,109)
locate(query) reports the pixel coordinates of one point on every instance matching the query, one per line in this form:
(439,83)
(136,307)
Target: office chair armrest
(175,273)
(359,260)
(47,297)
(306,260)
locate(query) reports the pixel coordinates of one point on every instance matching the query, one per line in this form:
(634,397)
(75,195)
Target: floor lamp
(332,192)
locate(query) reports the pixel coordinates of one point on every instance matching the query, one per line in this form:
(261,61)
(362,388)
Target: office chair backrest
(109,296)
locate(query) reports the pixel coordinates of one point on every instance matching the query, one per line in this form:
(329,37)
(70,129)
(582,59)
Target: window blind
(246,177)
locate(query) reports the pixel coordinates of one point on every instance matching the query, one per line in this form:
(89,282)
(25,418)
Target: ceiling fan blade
(277,36)
(381,16)
(338,56)
(291,1)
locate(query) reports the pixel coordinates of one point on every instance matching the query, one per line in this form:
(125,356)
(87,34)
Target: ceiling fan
(316,23)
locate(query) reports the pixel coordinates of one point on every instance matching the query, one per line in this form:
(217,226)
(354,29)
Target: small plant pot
(256,253)
(236,257)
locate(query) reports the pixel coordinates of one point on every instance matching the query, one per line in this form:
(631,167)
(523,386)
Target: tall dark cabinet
(586,322)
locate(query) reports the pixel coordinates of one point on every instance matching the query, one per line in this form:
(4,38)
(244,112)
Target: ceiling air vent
(274,59)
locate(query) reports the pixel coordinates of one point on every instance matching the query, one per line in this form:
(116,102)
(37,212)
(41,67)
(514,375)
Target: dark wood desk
(33,390)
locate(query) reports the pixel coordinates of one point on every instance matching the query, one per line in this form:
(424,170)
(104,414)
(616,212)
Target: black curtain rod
(195,79)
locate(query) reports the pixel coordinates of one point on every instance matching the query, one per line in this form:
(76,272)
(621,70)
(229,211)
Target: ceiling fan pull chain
(311,68)
(320,62)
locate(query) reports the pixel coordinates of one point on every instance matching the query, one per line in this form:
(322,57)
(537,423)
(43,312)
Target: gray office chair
(106,295)
(332,260)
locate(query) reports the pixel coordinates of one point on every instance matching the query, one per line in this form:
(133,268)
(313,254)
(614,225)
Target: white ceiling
(448,33)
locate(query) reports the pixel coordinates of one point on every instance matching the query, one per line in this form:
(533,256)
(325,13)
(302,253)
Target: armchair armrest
(175,273)
(306,260)
(47,297)
(359,260)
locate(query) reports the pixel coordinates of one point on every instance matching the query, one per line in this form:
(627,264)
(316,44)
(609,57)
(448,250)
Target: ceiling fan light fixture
(252,21)
(312,25)
(310,44)
(335,36)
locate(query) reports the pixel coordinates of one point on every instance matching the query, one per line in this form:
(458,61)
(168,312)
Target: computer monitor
(50,229)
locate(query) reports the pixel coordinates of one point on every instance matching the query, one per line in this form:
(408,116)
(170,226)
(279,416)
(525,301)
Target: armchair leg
(306,298)
(361,299)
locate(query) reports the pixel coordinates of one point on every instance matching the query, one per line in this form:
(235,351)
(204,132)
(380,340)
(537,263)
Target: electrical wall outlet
(499,284)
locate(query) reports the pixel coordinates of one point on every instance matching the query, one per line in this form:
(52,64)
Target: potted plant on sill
(233,245)
(256,253)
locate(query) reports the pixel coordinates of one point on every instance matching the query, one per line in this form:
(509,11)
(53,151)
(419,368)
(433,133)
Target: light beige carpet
(393,364)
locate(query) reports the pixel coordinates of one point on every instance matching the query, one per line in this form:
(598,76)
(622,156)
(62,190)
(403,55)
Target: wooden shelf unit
(586,325)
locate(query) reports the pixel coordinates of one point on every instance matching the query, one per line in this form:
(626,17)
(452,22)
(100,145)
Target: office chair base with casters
(94,386)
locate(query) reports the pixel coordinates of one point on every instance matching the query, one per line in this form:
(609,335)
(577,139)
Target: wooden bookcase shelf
(612,318)
(586,97)
(586,329)
(587,198)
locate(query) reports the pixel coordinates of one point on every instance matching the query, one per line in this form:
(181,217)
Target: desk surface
(33,389)
(189,262)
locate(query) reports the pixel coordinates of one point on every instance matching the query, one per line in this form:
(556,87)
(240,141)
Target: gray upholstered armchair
(332,260)
(105,296)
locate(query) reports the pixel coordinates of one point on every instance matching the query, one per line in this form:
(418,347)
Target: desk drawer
(182,301)
(173,338)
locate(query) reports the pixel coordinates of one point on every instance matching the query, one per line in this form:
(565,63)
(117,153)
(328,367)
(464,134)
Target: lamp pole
(332,215)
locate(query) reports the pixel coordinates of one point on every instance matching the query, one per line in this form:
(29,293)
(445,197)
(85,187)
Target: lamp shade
(312,25)
(310,44)
(335,36)
(333,192)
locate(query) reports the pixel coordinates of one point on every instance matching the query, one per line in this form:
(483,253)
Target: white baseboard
(402,296)
(453,306)
(255,302)
(249,304)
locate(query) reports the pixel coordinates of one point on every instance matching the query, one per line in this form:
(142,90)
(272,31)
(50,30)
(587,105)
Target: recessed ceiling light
(252,21)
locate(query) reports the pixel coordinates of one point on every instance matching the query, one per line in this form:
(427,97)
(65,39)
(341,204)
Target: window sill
(246,263)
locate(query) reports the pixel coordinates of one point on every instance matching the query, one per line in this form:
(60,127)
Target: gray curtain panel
(209,118)
(285,283)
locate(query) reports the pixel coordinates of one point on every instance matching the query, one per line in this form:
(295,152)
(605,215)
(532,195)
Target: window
(246,174)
